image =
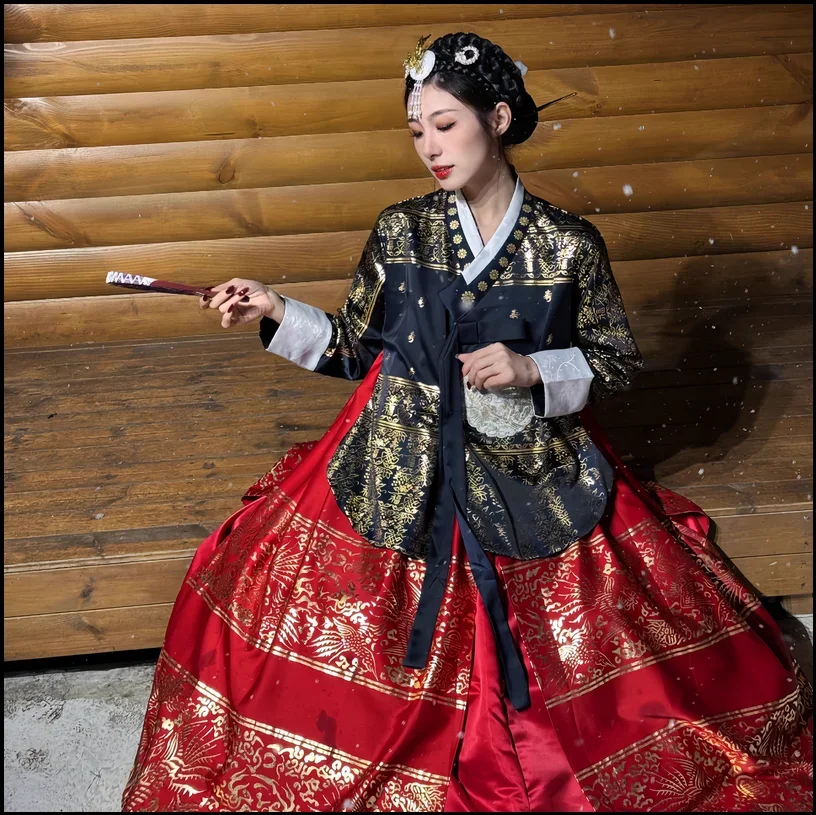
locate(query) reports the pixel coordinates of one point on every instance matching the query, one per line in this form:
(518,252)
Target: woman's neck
(489,197)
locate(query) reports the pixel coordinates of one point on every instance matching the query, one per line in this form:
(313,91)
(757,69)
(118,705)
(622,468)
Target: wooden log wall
(199,142)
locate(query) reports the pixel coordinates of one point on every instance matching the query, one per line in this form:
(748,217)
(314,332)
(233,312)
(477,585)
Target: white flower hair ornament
(418,66)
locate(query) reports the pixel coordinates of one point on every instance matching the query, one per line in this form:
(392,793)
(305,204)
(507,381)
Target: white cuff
(303,335)
(566,377)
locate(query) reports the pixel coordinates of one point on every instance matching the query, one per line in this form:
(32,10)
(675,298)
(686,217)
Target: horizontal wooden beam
(271,111)
(679,298)
(317,160)
(706,280)
(331,55)
(92,632)
(231,214)
(51,22)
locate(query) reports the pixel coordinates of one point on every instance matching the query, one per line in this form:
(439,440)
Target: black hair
(493,78)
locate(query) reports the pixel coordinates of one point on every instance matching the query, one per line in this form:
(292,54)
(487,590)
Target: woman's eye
(443,129)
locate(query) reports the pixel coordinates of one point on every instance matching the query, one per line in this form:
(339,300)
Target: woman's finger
(482,357)
(485,372)
(231,301)
(243,314)
(233,313)
(498,380)
(227,290)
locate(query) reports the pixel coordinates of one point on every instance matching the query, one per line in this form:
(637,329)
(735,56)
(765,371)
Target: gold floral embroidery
(382,470)
(542,456)
(361,314)
(317,596)
(198,752)
(712,764)
(555,593)
(602,326)
(413,232)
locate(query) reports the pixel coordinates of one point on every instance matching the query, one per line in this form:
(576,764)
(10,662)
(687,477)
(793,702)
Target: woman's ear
(504,117)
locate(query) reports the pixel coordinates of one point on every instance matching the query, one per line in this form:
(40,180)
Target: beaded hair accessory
(421,62)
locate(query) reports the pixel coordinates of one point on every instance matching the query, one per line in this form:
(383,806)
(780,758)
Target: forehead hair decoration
(422,62)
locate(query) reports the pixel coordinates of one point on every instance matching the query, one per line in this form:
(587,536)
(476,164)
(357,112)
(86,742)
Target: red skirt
(658,680)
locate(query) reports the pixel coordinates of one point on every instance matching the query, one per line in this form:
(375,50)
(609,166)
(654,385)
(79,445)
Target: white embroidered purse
(500,411)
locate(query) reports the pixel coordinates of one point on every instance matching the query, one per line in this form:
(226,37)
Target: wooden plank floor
(121,457)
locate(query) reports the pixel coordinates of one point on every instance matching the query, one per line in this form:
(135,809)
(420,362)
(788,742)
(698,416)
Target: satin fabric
(657,682)
(509,760)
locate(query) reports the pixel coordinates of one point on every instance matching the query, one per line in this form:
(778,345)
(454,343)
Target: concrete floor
(71,734)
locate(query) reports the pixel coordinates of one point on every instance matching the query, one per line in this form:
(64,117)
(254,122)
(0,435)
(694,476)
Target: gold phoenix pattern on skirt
(676,768)
(314,595)
(191,729)
(645,607)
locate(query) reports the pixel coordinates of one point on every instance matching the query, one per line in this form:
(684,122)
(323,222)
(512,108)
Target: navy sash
(451,501)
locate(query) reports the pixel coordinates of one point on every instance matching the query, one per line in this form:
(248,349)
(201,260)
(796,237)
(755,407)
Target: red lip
(438,167)
(443,173)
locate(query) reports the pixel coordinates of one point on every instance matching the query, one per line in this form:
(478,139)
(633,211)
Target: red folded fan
(142,283)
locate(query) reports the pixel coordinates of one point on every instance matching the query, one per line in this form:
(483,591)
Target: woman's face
(449,134)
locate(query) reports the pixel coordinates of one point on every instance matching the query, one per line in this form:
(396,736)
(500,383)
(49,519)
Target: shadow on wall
(720,413)
(714,396)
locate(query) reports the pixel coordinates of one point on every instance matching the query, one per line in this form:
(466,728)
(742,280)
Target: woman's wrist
(277,305)
(534,372)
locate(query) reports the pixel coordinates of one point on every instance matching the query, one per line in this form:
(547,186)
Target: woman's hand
(241,301)
(496,366)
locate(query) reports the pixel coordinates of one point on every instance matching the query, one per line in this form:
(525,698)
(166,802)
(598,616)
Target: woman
(459,598)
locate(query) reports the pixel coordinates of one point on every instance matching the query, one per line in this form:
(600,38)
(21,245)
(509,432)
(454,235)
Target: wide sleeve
(604,356)
(344,344)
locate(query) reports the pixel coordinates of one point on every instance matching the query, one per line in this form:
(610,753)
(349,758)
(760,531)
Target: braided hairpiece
(501,78)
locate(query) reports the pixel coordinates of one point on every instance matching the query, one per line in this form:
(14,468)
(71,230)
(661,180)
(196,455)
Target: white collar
(484,254)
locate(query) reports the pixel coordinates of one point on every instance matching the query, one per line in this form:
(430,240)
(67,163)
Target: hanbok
(463,601)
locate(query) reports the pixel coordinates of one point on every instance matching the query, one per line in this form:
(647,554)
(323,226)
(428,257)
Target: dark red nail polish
(243,292)
(206,298)
(230,308)
(231,289)
(244,299)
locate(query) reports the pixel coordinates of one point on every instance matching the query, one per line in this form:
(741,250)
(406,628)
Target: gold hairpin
(414,60)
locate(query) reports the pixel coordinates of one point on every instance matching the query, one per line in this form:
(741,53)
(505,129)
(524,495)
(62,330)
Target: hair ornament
(463,58)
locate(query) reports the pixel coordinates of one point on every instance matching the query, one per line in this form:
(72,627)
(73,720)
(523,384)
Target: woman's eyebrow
(436,113)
